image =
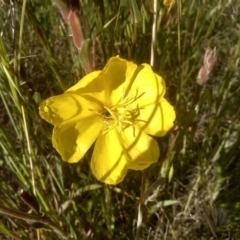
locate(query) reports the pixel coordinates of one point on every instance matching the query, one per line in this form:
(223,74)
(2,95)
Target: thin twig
(153,31)
(33,219)
(140,206)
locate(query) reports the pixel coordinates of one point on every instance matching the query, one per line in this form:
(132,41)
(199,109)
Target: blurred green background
(199,197)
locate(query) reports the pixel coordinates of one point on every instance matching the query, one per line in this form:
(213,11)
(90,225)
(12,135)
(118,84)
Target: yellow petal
(84,81)
(109,163)
(72,141)
(124,79)
(147,86)
(156,119)
(108,85)
(115,153)
(90,86)
(142,149)
(67,108)
(116,74)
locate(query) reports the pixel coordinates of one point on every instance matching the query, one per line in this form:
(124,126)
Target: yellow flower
(116,107)
(167,3)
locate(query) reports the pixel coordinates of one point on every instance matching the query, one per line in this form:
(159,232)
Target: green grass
(199,198)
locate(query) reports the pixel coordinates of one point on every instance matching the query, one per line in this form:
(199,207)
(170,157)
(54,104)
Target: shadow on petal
(73,141)
(142,150)
(109,164)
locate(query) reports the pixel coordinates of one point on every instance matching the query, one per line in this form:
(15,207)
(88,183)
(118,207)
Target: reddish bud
(76,29)
(209,62)
(202,75)
(210,59)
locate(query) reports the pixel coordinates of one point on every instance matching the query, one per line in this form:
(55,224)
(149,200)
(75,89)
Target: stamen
(121,115)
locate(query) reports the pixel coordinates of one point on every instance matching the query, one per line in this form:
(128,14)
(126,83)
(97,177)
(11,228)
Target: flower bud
(209,62)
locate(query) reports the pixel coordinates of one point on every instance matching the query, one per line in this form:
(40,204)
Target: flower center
(114,117)
(121,115)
